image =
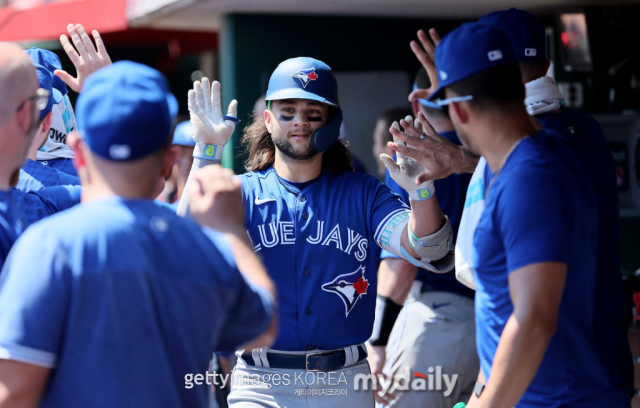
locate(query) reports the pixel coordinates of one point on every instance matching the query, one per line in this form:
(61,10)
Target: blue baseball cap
(525,31)
(51,62)
(183,135)
(44,82)
(468,50)
(125,111)
(303,78)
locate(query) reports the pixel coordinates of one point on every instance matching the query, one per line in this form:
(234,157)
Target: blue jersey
(64,165)
(541,208)
(35,176)
(451,192)
(123,298)
(586,137)
(10,224)
(37,205)
(316,243)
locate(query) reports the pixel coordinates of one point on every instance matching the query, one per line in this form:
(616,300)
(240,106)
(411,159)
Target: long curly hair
(261,151)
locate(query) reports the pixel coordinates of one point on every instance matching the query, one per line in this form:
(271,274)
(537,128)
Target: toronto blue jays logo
(350,287)
(305,76)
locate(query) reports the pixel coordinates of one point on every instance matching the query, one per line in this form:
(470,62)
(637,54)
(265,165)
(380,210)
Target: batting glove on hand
(211,131)
(405,170)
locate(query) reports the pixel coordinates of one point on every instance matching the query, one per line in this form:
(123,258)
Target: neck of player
(495,143)
(297,171)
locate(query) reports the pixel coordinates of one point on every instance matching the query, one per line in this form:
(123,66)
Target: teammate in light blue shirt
(124,300)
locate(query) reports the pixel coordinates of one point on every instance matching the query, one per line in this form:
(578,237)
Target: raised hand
(216,200)
(209,125)
(84,56)
(426,55)
(439,156)
(405,170)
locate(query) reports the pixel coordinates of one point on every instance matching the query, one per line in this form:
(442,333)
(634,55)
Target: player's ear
(267,120)
(460,110)
(75,143)
(169,160)
(46,123)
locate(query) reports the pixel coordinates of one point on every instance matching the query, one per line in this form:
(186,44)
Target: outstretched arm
(211,130)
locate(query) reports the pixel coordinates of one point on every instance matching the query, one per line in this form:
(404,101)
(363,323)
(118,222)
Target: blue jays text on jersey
(316,242)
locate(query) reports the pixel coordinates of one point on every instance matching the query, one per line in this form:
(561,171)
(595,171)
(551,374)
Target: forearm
(183,206)
(522,346)
(395,277)
(465,162)
(426,218)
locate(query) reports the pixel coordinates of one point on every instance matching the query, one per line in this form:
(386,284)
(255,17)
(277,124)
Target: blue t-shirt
(540,208)
(10,224)
(317,246)
(64,165)
(451,193)
(37,205)
(124,298)
(587,139)
(35,176)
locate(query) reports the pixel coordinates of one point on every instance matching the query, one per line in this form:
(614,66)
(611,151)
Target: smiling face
(291,123)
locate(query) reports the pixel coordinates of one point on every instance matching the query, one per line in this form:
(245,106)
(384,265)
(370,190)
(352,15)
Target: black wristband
(387,312)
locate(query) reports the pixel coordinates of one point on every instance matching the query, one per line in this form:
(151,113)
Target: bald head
(18,79)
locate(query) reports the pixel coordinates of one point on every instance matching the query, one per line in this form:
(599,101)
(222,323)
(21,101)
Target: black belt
(312,361)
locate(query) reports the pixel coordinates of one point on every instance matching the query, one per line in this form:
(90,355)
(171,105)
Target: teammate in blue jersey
(545,102)
(438,310)
(536,346)
(125,300)
(314,222)
(19,120)
(35,175)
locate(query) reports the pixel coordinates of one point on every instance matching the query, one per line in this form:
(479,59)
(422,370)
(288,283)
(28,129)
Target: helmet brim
(297,93)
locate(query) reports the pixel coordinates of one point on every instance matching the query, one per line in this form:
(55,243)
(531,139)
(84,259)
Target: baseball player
(438,311)
(34,175)
(125,299)
(314,222)
(546,103)
(19,117)
(535,271)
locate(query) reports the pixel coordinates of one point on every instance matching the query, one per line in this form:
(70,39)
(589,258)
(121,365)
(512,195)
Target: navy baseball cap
(44,82)
(125,111)
(51,62)
(468,50)
(183,135)
(525,31)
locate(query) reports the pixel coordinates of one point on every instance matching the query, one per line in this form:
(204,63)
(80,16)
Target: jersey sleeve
(391,183)
(535,220)
(252,308)
(384,207)
(33,300)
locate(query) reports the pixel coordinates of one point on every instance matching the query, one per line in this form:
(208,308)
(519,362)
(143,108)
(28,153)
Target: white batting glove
(211,130)
(406,169)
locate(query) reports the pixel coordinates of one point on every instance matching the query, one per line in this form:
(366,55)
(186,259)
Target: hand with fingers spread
(85,57)
(216,200)
(440,157)
(426,55)
(406,170)
(211,130)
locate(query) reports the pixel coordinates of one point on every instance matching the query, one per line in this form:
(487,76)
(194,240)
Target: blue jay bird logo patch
(305,76)
(350,287)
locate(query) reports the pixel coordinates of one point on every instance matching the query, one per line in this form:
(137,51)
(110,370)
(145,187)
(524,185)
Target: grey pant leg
(434,329)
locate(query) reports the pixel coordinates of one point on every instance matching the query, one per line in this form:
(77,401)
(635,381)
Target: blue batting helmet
(308,78)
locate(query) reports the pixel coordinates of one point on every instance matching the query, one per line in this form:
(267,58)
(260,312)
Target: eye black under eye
(286,118)
(314,119)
